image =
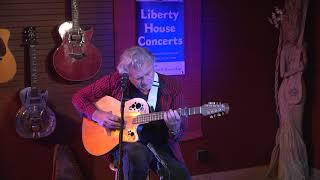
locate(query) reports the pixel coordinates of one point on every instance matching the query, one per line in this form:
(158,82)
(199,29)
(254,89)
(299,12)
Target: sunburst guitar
(98,140)
(8,67)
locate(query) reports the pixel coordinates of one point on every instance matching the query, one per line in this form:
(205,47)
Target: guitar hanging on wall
(77,59)
(8,66)
(34,119)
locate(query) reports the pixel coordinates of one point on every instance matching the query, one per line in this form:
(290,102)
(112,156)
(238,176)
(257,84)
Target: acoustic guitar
(8,66)
(77,59)
(98,140)
(34,119)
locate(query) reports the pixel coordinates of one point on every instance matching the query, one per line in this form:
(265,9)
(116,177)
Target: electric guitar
(34,119)
(77,59)
(8,66)
(98,140)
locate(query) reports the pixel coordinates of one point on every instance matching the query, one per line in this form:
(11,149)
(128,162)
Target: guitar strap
(153,94)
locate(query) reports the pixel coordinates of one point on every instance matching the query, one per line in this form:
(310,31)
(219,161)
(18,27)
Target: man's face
(142,79)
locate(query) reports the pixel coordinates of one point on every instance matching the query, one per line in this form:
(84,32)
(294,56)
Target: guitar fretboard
(75,16)
(155,116)
(33,65)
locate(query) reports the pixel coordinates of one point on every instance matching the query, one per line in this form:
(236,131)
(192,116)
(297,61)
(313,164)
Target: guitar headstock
(214,109)
(75,4)
(30,35)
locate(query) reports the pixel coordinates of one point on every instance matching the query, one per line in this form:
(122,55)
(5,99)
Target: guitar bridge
(77,56)
(35,127)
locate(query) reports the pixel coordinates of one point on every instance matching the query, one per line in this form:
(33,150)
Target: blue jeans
(138,159)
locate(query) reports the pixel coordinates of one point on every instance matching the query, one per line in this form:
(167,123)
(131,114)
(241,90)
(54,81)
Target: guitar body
(8,67)
(77,59)
(34,119)
(97,140)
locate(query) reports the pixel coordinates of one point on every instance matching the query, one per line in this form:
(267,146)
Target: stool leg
(116,175)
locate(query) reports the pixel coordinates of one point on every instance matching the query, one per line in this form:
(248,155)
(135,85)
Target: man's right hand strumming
(106,119)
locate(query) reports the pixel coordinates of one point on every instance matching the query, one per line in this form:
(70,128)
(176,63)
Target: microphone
(124,80)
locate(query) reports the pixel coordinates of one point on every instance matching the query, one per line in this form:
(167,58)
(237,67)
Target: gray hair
(134,57)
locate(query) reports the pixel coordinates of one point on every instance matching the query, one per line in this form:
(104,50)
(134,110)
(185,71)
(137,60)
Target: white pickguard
(64,28)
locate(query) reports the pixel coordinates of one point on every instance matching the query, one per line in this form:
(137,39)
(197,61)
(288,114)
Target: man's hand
(173,120)
(106,119)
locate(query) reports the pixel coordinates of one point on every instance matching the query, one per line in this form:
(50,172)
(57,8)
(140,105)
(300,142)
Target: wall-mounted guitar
(34,119)
(77,59)
(8,67)
(98,140)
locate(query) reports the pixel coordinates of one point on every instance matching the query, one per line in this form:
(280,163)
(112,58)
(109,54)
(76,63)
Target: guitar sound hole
(138,106)
(130,133)
(2,49)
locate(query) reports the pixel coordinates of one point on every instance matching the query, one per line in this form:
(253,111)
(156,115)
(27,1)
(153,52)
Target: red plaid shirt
(170,98)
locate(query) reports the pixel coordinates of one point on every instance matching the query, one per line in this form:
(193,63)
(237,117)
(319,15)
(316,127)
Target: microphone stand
(163,172)
(124,80)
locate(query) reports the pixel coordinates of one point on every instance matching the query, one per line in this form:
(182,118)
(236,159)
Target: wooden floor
(254,173)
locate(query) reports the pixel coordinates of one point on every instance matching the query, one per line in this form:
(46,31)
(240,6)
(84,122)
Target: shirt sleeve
(84,99)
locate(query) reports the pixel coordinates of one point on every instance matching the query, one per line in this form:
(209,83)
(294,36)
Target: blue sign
(160,28)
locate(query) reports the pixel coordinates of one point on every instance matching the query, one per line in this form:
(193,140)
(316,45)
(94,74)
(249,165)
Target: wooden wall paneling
(47,15)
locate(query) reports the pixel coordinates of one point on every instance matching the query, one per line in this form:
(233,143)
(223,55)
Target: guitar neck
(33,65)
(75,16)
(155,116)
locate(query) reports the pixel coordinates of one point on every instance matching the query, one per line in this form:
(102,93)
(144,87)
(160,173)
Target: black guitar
(34,119)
